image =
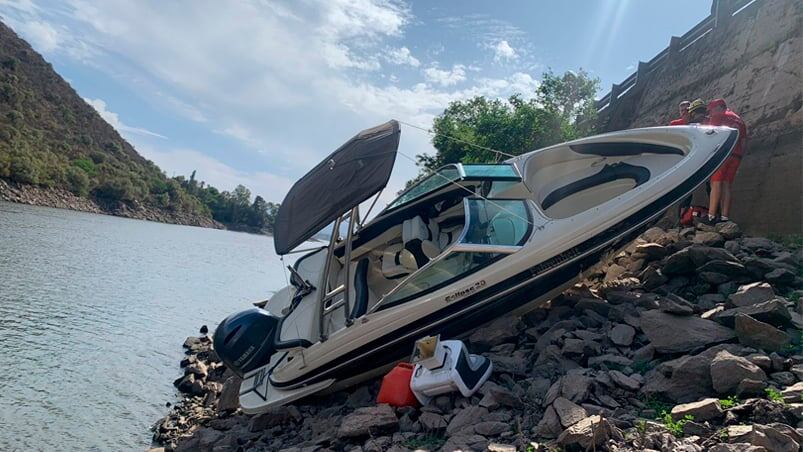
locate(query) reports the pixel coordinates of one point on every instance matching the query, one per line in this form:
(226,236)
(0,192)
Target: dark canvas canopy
(344,179)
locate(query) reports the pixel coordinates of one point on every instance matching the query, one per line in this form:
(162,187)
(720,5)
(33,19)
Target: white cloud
(41,35)
(504,52)
(303,66)
(402,56)
(212,171)
(446,78)
(114,120)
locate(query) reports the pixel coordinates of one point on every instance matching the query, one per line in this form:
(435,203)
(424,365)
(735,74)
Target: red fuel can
(395,389)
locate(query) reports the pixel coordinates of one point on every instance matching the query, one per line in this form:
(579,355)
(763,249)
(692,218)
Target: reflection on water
(93,310)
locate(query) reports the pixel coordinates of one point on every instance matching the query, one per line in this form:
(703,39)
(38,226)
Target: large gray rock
(230,394)
(771,438)
(498,332)
(756,334)
(622,334)
(670,333)
(728,370)
(432,422)
(728,229)
(491,428)
(368,421)
(794,393)
(568,412)
(772,311)
(575,386)
(685,379)
(704,410)
(466,417)
(623,381)
(588,433)
(549,426)
(275,416)
(708,238)
(750,294)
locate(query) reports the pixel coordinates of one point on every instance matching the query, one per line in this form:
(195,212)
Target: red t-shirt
(731,119)
(679,122)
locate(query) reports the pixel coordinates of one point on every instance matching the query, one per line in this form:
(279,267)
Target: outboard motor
(245,340)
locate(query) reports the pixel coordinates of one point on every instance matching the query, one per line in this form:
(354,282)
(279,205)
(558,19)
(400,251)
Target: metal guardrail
(719,8)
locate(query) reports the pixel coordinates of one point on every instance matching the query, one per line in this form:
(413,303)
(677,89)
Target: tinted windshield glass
(497,222)
(503,172)
(447,269)
(442,177)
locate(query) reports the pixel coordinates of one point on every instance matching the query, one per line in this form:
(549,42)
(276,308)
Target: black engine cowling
(245,340)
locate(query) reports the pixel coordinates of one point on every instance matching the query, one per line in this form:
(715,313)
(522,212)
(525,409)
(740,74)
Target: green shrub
(117,189)
(87,165)
(675,427)
(774,395)
(730,402)
(24,170)
(77,181)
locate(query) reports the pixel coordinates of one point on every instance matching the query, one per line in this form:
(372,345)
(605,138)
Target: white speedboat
(464,246)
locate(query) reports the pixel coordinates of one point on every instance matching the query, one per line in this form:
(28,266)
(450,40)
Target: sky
(258,92)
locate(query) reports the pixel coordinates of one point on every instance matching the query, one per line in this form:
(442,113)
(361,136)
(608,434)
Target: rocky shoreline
(63,199)
(686,340)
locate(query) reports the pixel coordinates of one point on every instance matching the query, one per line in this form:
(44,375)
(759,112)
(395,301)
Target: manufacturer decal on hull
(466,291)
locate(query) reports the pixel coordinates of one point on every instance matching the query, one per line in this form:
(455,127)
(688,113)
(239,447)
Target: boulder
(575,386)
(685,379)
(728,229)
(728,370)
(708,238)
(568,412)
(464,418)
(700,255)
(651,251)
(674,304)
(275,416)
(623,381)
(771,438)
(794,393)
(736,447)
(432,422)
(729,268)
(756,334)
(622,335)
(589,433)
(701,411)
(750,294)
(498,332)
(549,426)
(491,428)
(780,276)
(229,399)
(772,311)
(678,263)
(368,421)
(465,441)
(670,333)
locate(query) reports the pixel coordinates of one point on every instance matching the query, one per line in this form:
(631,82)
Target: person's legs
(726,200)
(714,200)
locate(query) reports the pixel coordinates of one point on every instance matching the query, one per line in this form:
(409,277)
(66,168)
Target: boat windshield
(454,173)
(494,228)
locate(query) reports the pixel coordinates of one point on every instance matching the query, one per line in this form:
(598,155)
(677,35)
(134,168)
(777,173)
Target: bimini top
(350,175)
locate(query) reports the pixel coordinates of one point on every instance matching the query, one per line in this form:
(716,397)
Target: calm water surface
(93,310)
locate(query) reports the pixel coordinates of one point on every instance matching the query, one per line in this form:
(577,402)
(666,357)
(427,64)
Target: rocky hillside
(687,340)
(56,150)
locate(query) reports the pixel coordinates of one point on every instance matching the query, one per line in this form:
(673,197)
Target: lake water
(93,312)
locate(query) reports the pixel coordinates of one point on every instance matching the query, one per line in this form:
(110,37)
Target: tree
(561,109)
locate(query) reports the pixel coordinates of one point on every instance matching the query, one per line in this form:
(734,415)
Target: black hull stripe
(542,278)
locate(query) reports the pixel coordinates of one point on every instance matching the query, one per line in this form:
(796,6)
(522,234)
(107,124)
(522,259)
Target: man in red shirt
(722,180)
(684,115)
